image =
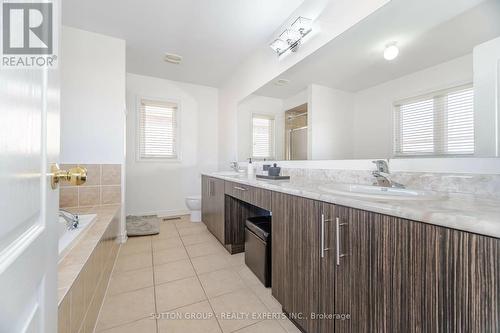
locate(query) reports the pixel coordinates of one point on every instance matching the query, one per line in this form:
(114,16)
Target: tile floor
(191,282)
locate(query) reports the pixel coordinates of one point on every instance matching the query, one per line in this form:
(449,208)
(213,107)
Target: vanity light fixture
(391,51)
(172,58)
(291,38)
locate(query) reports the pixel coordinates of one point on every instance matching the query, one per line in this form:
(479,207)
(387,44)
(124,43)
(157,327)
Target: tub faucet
(72,220)
(382,175)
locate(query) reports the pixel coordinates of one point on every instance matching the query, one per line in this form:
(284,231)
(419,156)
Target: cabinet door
(334,270)
(406,276)
(295,257)
(206,203)
(217,218)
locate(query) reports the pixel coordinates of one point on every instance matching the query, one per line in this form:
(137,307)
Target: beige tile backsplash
(103,187)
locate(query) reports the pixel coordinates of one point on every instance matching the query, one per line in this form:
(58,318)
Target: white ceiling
(428,32)
(213,36)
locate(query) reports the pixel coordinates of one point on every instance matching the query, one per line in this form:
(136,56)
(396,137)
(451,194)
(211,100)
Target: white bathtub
(68,238)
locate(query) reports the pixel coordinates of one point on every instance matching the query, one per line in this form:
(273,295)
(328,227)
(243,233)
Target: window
(441,123)
(262,136)
(158,132)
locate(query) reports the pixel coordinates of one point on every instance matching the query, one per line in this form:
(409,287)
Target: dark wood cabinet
(405,276)
(212,206)
(359,271)
(295,257)
(253,195)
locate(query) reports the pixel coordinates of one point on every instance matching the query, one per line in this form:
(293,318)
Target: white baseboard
(164,213)
(170,213)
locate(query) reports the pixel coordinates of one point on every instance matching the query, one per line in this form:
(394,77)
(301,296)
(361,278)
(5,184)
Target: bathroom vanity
(340,266)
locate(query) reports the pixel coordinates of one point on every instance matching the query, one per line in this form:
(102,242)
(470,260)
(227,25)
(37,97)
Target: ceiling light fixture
(291,38)
(172,58)
(391,51)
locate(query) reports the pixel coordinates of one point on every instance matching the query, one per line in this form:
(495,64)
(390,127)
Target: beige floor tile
(288,326)
(237,259)
(206,323)
(221,282)
(166,235)
(133,240)
(210,263)
(193,229)
(169,255)
(126,308)
(247,275)
(166,243)
(239,302)
(133,261)
(184,222)
(266,297)
(198,238)
(168,228)
(203,249)
(133,248)
(147,325)
(266,326)
(178,293)
(130,280)
(173,271)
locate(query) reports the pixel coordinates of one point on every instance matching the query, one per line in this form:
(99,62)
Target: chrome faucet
(382,175)
(72,220)
(235,166)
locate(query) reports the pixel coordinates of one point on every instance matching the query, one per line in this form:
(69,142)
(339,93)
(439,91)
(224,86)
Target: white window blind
(441,123)
(157,130)
(262,136)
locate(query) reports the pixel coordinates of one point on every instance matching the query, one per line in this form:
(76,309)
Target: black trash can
(258,247)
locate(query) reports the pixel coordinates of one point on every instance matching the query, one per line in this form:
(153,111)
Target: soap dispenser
(250,170)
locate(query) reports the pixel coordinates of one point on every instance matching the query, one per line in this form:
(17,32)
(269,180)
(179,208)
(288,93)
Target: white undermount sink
(378,192)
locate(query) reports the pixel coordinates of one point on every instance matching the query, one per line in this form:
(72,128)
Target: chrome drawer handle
(323,249)
(337,227)
(239,188)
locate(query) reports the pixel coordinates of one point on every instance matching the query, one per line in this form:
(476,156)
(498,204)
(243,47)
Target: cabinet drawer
(252,195)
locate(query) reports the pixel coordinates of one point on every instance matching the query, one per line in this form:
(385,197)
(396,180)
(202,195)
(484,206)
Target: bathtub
(68,238)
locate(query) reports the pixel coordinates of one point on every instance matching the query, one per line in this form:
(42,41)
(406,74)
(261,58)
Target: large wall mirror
(439,96)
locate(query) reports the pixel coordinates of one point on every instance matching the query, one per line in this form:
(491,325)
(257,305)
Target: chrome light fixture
(291,38)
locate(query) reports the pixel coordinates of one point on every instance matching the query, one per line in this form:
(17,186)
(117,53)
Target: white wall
(487,96)
(160,187)
(373,115)
(93,101)
(92,98)
(260,105)
(330,121)
(295,100)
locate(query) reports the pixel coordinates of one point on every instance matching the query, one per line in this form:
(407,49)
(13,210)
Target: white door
(29,144)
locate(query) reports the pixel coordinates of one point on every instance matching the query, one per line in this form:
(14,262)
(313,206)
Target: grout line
(121,324)
(107,288)
(154,282)
(201,285)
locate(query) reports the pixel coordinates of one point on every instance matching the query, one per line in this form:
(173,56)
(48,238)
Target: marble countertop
(476,215)
(72,263)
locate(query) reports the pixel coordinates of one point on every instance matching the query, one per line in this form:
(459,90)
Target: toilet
(194,205)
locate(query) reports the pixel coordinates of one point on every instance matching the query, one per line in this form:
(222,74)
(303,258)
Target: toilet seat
(193,197)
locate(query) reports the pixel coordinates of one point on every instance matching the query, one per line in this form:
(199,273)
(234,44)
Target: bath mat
(142,225)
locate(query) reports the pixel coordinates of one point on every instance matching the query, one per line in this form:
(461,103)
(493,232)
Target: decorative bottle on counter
(250,170)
